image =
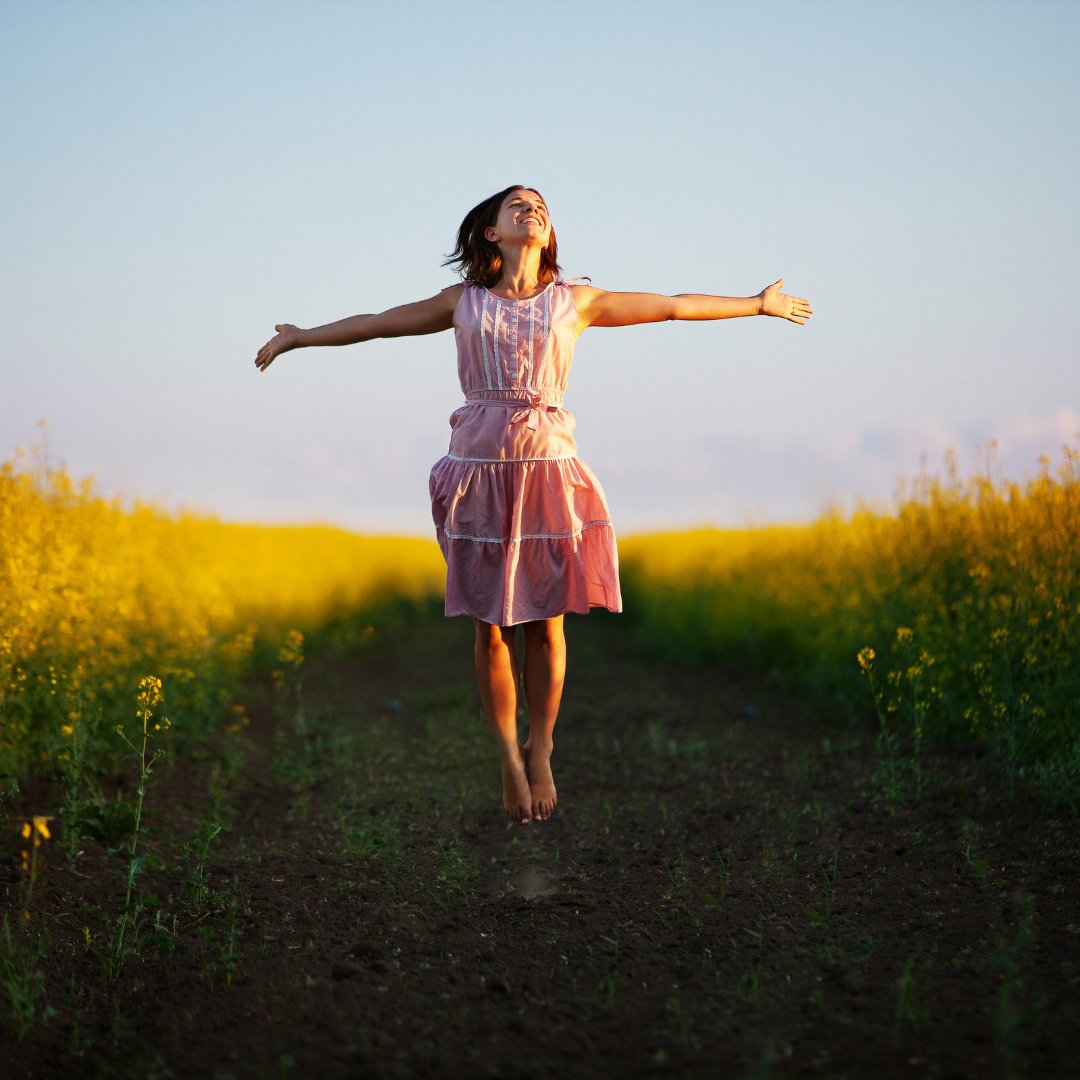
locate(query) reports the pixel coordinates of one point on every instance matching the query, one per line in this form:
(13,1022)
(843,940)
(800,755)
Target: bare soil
(726,889)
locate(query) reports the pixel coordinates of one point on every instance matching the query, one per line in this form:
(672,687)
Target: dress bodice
(515,349)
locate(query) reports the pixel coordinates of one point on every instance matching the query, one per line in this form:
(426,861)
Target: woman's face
(523,218)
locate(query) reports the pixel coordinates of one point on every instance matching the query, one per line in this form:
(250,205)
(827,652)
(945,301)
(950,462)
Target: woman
(522,522)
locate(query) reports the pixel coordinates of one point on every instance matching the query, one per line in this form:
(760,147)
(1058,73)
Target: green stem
(118,943)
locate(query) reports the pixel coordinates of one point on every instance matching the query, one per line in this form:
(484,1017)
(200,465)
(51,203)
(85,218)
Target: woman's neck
(520,275)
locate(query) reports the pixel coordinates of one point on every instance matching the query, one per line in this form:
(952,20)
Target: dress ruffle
(524,540)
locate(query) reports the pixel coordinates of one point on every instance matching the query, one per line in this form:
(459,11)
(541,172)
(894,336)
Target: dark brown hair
(477,259)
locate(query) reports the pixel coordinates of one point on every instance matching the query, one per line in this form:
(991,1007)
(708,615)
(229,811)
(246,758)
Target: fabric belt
(532,400)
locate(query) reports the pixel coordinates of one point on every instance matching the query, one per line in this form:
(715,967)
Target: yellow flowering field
(93,596)
(956,613)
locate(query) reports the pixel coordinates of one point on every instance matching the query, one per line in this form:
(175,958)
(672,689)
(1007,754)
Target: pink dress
(523,524)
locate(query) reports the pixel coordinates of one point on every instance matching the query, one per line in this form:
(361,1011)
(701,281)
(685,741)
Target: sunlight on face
(523,216)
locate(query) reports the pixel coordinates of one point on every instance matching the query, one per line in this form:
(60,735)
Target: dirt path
(722,892)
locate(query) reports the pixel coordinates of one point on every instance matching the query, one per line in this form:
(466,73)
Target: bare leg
(497,674)
(545,671)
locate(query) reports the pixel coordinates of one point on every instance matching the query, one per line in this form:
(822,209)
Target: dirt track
(721,892)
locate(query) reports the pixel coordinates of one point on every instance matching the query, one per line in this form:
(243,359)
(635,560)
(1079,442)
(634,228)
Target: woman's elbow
(674,308)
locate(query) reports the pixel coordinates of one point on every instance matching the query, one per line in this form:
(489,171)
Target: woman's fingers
(274,347)
(265,357)
(795,309)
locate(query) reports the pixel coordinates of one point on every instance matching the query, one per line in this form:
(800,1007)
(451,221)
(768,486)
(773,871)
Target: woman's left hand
(792,308)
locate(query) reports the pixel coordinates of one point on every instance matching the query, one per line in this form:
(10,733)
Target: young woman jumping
(522,521)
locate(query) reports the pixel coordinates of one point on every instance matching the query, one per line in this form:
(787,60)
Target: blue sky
(179,177)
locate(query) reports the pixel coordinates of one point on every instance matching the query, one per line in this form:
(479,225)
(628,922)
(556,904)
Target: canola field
(954,615)
(272,896)
(95,597)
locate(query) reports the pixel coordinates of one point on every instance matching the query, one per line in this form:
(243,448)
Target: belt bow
(531,415)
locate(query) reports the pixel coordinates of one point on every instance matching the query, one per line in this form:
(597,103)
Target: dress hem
(543,618)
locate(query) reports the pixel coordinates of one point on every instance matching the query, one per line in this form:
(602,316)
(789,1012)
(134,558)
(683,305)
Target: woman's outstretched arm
(599,308)
(424,317)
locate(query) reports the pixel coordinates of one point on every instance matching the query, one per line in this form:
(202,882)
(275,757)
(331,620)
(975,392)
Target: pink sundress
(523,523)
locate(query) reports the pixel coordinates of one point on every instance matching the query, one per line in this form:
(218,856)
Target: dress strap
(573,280)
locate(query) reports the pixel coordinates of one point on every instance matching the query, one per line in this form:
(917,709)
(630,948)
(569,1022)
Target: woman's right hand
(287,337)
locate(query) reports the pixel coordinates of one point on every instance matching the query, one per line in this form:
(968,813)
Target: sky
(177,178)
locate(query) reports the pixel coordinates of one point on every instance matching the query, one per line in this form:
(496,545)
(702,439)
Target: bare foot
(517,800)
(541,782)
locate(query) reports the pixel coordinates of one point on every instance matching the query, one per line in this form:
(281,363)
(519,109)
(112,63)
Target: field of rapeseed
(94,597)
(956,616)
(280,896)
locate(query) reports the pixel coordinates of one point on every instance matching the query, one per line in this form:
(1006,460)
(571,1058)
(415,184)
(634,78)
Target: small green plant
(369,841)
(912,1006)
(227,766)
(970,835)
(607,989)
(22,978)
(75,807)
(680,1021)
(914,693)
(888,774)
(751,981)
(288,680)
(830,875)
(9,789)
(195,853)
(21,952)
(147,700)
(225,942)
(724,858)
(455,871)
(1021,1006)
(228,952)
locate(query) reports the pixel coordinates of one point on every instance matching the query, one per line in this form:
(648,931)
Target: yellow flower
(67,729)
(26,830)
(41,825)
(904,634)
(292,651)
(150,691)
(866,658)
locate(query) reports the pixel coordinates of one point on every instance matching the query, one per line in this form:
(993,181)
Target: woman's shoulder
(581,289)
(453,294)
(577,287)
(457,298)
